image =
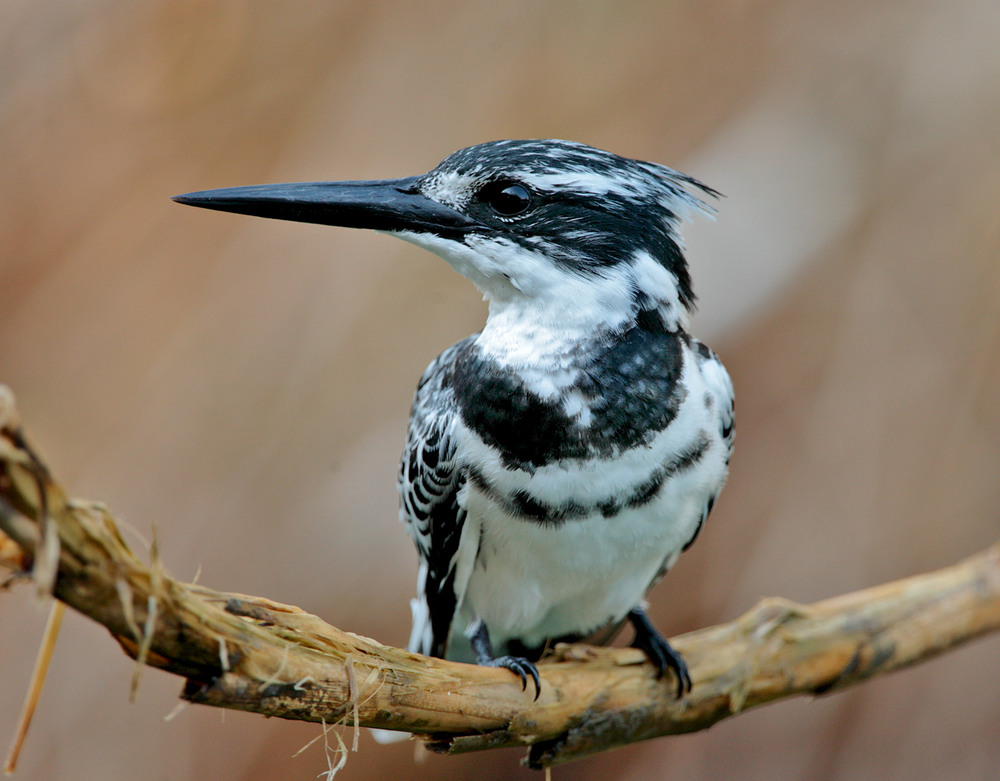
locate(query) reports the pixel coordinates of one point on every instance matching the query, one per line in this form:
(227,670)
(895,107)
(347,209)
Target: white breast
(531,580)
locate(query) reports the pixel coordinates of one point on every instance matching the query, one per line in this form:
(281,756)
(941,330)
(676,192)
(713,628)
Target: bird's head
(568,232)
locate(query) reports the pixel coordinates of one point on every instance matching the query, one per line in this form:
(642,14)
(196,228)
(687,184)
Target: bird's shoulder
(428,473)
(719,385)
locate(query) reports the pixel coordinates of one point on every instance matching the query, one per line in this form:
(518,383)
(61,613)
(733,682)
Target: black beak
(384,205)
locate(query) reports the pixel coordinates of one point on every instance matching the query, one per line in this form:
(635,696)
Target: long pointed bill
(383,205)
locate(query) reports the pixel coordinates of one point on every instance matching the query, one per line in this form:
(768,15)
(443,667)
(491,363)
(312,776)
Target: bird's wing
(429,482)
(720,386)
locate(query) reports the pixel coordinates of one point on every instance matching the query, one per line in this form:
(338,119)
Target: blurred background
(244,385)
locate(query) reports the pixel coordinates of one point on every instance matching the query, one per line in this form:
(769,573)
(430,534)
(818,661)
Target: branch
(252,654)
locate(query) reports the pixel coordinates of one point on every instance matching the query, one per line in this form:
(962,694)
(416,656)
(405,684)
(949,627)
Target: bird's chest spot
(597,405)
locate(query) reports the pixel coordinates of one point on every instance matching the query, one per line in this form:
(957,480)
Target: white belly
(534,581)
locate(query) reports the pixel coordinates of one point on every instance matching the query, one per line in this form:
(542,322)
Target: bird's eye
(508,199)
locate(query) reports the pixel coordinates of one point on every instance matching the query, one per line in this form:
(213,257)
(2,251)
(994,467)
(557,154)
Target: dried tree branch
(255,655)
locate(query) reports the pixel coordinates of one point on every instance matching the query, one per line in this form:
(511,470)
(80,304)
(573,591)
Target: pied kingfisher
(559,461)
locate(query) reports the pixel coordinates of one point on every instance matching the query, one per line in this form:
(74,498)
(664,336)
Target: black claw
(521,666)
(659,651)
(479,636)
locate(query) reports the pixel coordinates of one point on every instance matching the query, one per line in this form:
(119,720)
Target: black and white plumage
(559,461)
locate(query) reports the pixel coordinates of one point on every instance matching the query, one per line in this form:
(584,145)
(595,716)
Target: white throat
(541,311)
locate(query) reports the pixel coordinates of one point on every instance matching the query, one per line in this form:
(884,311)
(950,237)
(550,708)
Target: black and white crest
(581,207)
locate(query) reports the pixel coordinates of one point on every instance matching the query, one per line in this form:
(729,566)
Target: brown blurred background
(244,384)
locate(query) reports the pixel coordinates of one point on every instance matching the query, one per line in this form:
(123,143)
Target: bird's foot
(520,666)
(479,636)
(659,651)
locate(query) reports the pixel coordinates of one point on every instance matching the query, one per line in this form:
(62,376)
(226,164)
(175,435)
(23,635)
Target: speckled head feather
(590,209)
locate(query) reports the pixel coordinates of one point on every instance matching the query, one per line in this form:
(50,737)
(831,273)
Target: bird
(559,461)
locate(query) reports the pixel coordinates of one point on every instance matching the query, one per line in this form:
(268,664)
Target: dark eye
(508,199)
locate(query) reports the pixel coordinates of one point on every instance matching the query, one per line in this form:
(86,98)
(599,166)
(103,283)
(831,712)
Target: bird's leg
(479,636)
(656,647)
